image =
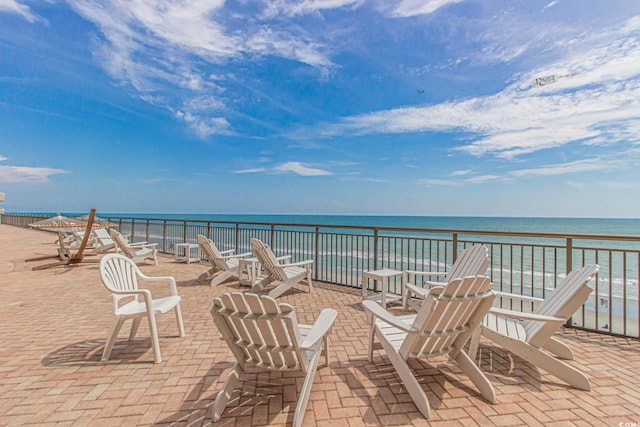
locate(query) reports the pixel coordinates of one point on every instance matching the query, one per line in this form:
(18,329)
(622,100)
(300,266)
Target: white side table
(248,271)
(185,252)
(383,276)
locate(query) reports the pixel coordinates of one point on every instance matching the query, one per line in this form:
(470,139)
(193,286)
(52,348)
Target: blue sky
(399,107)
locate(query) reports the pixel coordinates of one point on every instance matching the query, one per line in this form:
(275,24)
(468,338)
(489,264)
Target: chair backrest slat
(103,236)
(119,274)
(212,253)
(448,316)
(122,243)
(562,302)
(267,259)
(471,262)
(260,331)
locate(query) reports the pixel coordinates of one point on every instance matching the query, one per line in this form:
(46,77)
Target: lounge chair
(528,334)
(103,240)
(471,262)
(445,321)
(121,276)
(137,252)
(224,265)
(285,275)
(262,333)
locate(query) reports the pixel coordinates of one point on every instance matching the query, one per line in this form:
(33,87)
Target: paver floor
(54,324)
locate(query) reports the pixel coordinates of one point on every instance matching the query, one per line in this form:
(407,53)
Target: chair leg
(155,342)
(222,277)
(474,343)
(303,398)
(476,376)
(372,336)
(409,381)
(179,320)
(280,289)
(225,392)
(116,324)
(542,360)
(560,349)
(135,323)
(309,280)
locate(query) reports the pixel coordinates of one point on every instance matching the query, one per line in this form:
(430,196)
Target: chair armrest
(374,309)
(228,251)
(421,292)
(169,279)
(244,255)
(526,316)
(296,264)
(500,294)
(138,243)
(426,273)
(146,245)
(283,257)
(320,328)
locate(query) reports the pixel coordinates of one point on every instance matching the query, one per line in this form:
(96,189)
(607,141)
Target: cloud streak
(29,175)
(600,103)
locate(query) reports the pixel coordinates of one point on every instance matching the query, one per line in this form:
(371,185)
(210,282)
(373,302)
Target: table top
(187,245)
(385,272)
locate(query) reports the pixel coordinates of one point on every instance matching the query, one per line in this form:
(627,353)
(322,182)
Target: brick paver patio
(54,325)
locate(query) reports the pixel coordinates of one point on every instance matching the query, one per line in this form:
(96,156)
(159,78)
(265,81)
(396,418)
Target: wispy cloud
(300,169)
(598,103)
(407,8)
(174,52)
(251,170)
(25,174)
(585,165)
(13,6)
(297,168)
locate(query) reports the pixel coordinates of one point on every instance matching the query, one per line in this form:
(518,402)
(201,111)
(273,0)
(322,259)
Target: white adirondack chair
(103,240)
(285,275)
(527,334)
(137,252)
(224,265)
(120,276)
(471,262)
(444,323)
(262,333)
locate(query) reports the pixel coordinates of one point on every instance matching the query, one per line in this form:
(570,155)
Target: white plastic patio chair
(262,333)
(120,275)
(137,252)
(224,265)
(443,324)
(471,262)
(528,334)
(285,275)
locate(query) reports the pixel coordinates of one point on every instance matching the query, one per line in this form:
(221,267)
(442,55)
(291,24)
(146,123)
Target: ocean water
(618,226)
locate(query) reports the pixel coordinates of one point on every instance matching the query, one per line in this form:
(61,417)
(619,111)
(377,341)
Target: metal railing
(521,262)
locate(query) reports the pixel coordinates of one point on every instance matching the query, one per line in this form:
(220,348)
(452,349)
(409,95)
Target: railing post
(569,255)
(184,232)
(273,231)
(146,231)
(568,268)
(316,254)
(454,250)
(237,238)
(375,249)
(133,230)
(164,235)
